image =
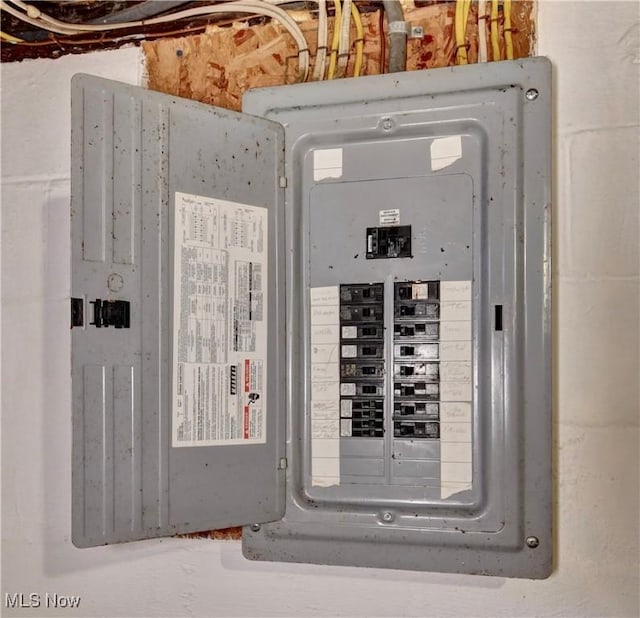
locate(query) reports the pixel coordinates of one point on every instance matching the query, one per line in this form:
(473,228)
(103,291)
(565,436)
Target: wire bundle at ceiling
(334,49)
(460,29)
(340,47)
(32,15)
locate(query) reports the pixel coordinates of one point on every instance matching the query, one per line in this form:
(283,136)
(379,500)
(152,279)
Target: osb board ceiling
(216,67)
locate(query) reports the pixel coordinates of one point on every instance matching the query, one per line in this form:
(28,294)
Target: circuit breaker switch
(388,242)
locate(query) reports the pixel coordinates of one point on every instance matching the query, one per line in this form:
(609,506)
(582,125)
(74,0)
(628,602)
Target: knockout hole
(498,317)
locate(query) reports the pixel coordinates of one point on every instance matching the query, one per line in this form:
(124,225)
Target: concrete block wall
(595,50)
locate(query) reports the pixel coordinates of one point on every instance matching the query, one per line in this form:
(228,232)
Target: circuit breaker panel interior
(413,396)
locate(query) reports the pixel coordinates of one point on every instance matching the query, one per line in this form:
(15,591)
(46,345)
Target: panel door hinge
(282,464)
(283,182)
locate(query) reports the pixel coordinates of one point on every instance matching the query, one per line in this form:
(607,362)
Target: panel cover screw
(387,516)
(387,124)
(531,94)
(532,541)
(255,527)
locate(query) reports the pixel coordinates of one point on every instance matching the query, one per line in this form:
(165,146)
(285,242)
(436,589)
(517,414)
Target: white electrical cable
(37,18)
(345,39)
(483,54)
(323,31)
(34,22)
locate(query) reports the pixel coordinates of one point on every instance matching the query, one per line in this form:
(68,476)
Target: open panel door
(177,315)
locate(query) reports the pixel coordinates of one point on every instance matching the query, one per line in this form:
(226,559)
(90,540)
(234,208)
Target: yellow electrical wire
(460,49)
(9,38)
(508,39)
(355,14)
(465,21)
(495,47)
(335,40)
(461,18)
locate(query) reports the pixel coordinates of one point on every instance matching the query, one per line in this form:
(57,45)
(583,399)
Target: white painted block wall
(594,47)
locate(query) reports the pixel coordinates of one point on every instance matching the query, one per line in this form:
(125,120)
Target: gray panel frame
(132,149)
(516,472)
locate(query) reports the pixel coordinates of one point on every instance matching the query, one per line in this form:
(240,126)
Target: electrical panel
(328,320)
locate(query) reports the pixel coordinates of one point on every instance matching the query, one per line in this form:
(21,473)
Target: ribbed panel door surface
(150,174)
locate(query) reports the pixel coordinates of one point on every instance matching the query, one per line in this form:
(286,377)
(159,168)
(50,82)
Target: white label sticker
(445,151)
(346,408)
(326,467)
(324,353)
(324,409)
(455,331)
(327,163)
(345,428)
(349,332)
(325,391)
(455,290)
(323,428)
(220,322)
(325,385)
(456,387)
(324,372)
(455,451)
(455,412)
(455,432)
(390,216)
(420,291)
(348,389)
(324,333)
(455,351)
(349,351)
(455,310)
(456,471)
(455,391)
(326,448)
(323,316)
(455,371)
(328,296)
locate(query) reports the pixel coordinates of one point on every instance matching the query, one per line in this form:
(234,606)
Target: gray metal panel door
(133,150)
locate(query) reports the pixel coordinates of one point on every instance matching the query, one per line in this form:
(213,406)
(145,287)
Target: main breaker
(326,318)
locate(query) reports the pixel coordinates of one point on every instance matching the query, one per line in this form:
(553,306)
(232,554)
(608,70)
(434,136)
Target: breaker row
(362,360)
(416,372)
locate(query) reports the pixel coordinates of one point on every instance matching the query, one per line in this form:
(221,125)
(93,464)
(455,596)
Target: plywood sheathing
(216,67)
(226,534)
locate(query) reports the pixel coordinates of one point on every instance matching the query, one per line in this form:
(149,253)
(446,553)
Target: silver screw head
(387,516)
(532,541)
(255,527)
(387,124)
(531,94)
